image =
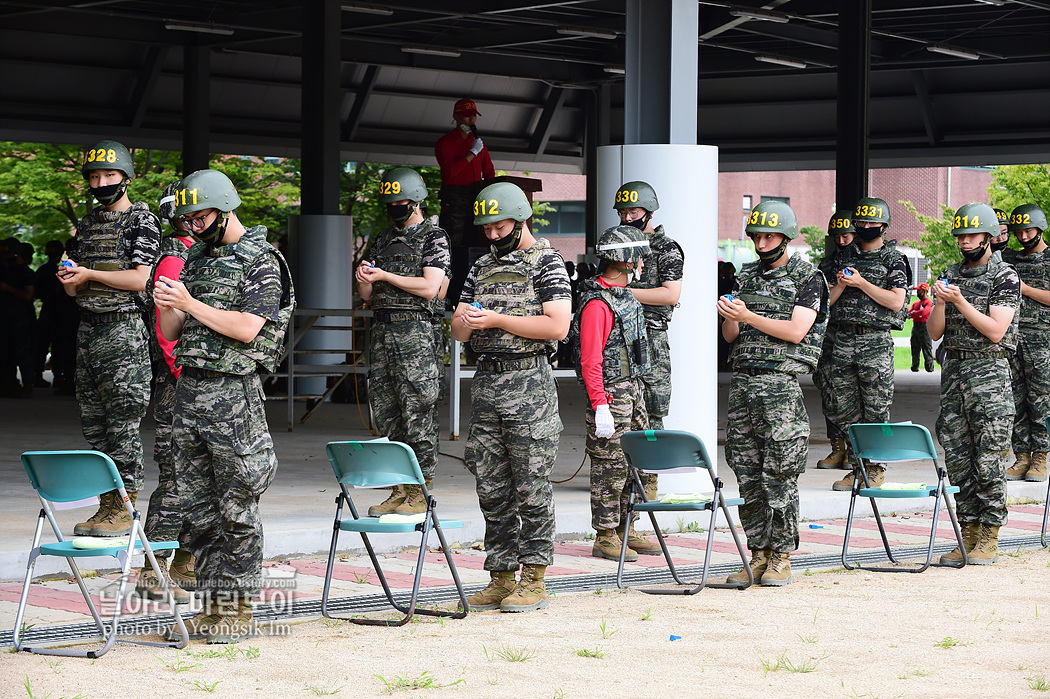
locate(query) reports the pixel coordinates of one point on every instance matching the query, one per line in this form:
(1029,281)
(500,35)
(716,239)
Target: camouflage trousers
(767,442)
(113,384)
(921,347)
(861,378)
(511,446)
(974,429)
(1030,375)
(224,460)
(822,380)
(609,477)
(403,386)
(164,518)
(656,383)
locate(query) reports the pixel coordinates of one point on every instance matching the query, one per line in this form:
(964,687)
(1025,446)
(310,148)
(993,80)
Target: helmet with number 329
(400,184)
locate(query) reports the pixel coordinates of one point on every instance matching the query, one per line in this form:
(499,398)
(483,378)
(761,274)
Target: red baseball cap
(466,107)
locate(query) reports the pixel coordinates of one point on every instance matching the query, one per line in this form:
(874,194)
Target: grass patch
(588,653)
(510,654)
(783,662)
(424,681)
(1038,682)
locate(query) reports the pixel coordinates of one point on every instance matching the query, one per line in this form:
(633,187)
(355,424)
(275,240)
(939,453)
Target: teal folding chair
(70,476)
(656,451)
(887,443)
(371,465)
(1046,505)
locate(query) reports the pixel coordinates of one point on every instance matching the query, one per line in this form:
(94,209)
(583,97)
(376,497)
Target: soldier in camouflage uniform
(1030,363)
(609,330)
(975,312)
(1001,241)
(776,322)
(228,315)
(164,518)
(515,306)
(115,247)
(838,243)
(868,297)
(410,261)
(657,288)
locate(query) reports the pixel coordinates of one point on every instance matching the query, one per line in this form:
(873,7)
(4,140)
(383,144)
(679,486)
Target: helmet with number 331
(872,209)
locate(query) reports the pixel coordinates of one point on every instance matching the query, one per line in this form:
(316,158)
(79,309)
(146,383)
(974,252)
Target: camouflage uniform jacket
(217,277)
(664,263)
(626,353)
(984,286)
(1033,270)
(878,266)
(102,242)
(402,251)
(774,293)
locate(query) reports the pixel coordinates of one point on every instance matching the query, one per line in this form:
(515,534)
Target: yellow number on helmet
(111,156)
(774,220)
(395,187)
(493,207)
(754,217)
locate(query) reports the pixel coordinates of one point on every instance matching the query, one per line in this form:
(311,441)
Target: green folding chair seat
(68,477)
(660,451)
(887,443)
(372,465)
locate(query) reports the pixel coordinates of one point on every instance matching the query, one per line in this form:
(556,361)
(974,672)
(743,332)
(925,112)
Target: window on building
(569,218)
(747,202)
(786,200)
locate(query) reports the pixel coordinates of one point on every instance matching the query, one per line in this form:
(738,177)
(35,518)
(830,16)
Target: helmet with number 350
(402,183)
(975,218)
(499,202)
(636,194)
(108,155)
(773,217)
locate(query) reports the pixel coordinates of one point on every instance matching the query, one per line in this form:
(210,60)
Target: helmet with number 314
(773,217)
(499,202)
(975,218)
(636,194)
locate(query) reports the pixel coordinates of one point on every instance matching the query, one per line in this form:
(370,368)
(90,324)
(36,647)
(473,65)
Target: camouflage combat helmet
(499,202)
(622,244)
(773,217)
(167,200)
(636,194)
(108,155)
(205,189)
(402,183)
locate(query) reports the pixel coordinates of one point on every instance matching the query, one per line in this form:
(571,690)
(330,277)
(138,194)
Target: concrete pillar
(196,98)
(851,149)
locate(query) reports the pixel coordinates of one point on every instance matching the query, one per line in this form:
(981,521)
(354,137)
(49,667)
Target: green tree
(815,237)
(937,243)
(269,189)
(1013,185)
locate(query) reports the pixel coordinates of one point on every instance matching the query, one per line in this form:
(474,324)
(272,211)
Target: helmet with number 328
(108,155)
(773,217)
(499,202)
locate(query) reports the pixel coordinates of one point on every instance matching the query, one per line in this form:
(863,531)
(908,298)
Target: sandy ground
(978,632)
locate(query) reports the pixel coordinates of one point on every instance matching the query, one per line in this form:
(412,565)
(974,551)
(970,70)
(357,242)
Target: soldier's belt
(197,373)
(111,317)
(530,361)
(755,371)
(390,316)
(858,329)
(969,354)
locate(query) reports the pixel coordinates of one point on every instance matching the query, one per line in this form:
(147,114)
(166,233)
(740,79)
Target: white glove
(476,146)
(604,425)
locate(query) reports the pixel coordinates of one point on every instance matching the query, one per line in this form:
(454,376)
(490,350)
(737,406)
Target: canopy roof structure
(952,81)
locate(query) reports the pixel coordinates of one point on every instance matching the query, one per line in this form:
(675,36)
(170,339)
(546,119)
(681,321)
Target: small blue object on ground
(675,638)
(816,526)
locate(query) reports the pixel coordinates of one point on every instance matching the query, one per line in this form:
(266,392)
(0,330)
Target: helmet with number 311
(773,217)
(499,202)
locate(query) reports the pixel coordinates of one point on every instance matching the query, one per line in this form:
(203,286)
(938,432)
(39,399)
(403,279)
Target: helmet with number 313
(499,202)
(773,217)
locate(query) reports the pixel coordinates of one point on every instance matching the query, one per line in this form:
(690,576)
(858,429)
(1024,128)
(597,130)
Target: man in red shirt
(920,337)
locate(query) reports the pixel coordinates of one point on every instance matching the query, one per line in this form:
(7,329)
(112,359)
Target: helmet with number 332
(499,202)
(773,217)
(1027,216)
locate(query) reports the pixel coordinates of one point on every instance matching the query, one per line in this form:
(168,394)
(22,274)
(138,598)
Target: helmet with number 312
(499,202)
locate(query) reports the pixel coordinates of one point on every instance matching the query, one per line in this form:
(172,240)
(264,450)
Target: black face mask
(212,235)
(996,247)
(869,234)
(1029,244)
(508,243)
(770,256)
(110,194)
(641,223)
(977,253)
(399,213)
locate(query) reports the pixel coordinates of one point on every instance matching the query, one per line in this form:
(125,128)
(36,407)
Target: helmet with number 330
(636,194)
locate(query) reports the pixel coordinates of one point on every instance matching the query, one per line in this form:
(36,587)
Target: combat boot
(607,544)
(105,502)
(415,502)
(393,501)
(117,521)
(986,552)
(759,563)
(531,592)
(876,477)
(501,585)
(149,587)
(1037,471)
(971,531)
(235,625)
(639,544)
(181,571)
(837,457)
(779,571)
(1019,470)
(198,626)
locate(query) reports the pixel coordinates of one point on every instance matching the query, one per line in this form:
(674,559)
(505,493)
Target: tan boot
(531,592)
(779,571)
(1019,470)
(149,587)
(181,571)
(1037,471)
(117,521)
(397,496)
(876,477)
(986,552)
(415,502)
(837,457)
(197,626)
(105,502)
(639,544)
(501,585)
(607,544)
(759,563)
(970,533)
(236,624)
